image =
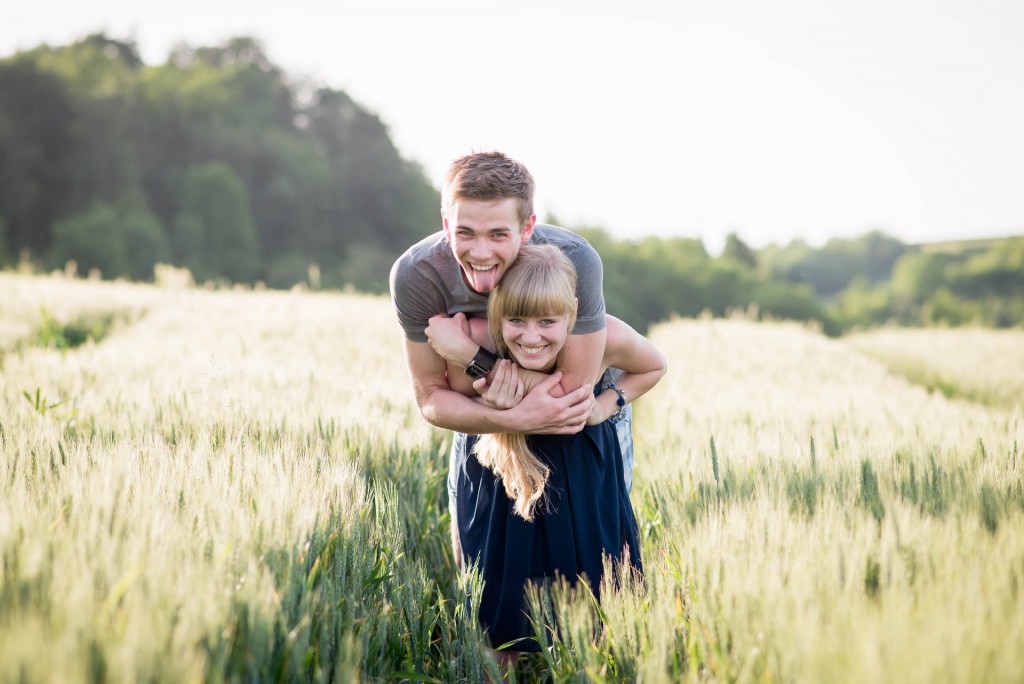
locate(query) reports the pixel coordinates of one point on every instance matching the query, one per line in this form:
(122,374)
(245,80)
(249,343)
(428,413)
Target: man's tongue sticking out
(483,279)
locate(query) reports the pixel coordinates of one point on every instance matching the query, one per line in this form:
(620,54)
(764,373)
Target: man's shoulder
(426,259)
(576,247)
(560,237)
(430,248)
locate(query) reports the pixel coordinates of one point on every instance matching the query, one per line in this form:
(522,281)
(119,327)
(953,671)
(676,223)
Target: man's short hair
(489,176)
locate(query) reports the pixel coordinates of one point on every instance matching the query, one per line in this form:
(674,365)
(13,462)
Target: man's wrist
(464,354)
(481,364)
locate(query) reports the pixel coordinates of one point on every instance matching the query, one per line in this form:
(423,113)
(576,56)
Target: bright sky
(776,120)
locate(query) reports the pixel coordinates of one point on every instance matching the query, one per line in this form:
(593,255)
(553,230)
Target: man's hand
(541,413)
(506,390)
(449,337)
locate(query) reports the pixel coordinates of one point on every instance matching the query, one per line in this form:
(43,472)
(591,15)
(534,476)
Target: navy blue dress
(587,513)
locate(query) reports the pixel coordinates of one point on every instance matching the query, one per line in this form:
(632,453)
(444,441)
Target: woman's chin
(539,365)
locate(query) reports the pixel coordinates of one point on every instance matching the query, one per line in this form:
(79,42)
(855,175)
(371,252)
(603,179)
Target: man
(487,215)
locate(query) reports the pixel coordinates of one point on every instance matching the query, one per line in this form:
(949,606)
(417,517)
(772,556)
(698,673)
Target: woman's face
(534,341)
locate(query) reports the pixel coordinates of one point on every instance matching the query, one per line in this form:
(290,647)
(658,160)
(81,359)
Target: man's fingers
(579,414)
(548,383)
(463,322)
(571,429)
(581,394)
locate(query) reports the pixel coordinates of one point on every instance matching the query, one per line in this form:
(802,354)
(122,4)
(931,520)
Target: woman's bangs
(536,299)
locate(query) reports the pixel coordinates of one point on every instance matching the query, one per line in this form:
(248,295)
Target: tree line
(846,284)
(219,162)
(214,160)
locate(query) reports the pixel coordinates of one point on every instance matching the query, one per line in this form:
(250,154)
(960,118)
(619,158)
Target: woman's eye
(514,321)
(547,321)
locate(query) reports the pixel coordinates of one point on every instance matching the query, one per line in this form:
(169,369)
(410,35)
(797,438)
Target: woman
(530,508)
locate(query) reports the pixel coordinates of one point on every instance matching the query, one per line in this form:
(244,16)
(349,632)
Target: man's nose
(480,250)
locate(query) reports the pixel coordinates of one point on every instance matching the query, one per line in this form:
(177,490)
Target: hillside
(973,245)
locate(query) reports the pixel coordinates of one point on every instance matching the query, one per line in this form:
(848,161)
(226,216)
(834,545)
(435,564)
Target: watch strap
(481,364)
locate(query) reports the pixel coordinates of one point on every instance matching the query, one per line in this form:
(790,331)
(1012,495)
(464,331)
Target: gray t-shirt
(427,281)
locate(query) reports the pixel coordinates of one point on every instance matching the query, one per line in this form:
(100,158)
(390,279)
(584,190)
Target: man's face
(485,236)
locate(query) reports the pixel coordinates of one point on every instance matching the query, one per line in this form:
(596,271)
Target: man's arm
(580,360)
(538,413)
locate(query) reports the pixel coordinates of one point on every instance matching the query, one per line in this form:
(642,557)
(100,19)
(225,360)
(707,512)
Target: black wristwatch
(481,364)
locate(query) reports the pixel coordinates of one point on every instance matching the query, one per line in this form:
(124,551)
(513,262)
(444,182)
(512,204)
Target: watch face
(475,371)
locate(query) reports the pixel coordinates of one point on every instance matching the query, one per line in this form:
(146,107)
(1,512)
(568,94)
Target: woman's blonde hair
(540,282)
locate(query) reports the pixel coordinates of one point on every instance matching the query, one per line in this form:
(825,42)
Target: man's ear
(527,231)
(444,226)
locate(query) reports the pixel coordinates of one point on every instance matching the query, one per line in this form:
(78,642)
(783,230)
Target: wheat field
(228,485)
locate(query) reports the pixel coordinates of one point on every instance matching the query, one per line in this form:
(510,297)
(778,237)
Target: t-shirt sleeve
(414,298)
(589,290)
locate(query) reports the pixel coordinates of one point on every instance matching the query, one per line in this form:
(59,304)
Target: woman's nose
(531,334)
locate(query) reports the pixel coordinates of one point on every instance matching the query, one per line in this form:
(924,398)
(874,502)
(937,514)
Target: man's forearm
(453,411)
(537,413)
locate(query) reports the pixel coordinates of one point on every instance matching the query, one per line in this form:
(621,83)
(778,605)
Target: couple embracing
(508,344)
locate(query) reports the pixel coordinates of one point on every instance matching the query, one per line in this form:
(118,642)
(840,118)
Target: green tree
(380,198)
(653,279)
(830,269)
(739,251)
(215,205)
(92,239)
(38,120)
(944,307)
(5,251)
(126,240)
(90,122)
(915,278)
(998,272)
(862,304)
(144,239)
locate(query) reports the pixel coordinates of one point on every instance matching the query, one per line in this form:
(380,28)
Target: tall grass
(236,486)
(985,366)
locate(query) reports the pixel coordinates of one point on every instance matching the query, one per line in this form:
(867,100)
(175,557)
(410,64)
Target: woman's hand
(506,390)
